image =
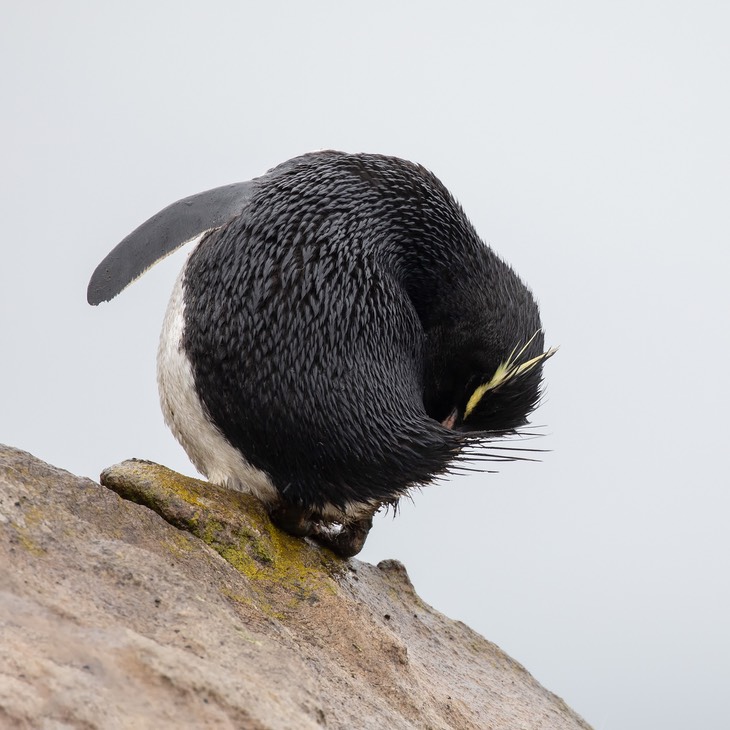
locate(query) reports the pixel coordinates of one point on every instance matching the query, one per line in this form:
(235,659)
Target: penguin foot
(345,542)
(293,520)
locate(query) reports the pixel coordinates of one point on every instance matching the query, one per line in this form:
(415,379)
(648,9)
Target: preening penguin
(338,335)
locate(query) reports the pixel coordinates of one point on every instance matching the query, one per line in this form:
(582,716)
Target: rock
(178,604)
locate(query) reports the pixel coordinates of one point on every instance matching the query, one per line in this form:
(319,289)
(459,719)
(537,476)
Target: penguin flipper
(162,234)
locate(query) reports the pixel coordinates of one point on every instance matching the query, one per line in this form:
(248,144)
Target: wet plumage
(346,335)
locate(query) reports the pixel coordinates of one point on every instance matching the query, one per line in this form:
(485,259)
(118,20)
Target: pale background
(588,142)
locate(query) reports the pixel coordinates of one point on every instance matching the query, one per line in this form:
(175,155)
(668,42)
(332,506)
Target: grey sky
(588,143)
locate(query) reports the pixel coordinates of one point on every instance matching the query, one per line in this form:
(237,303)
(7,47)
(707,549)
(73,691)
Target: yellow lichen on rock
(236,526)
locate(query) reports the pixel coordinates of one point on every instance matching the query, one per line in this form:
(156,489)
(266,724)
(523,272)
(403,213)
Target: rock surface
(160,601)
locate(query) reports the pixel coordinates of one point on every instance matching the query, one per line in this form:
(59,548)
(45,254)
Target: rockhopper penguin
(338,335)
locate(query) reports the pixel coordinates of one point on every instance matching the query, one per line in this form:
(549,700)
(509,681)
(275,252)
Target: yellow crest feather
(507,370)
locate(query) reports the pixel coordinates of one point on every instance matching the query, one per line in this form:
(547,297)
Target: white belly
(184,414)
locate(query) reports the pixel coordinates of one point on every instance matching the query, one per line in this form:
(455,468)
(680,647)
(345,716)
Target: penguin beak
(450,420)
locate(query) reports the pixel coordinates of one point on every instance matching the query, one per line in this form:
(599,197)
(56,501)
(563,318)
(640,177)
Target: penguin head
(485,387)
(505,396)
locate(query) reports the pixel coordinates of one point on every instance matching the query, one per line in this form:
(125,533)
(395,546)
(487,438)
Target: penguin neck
(452,280)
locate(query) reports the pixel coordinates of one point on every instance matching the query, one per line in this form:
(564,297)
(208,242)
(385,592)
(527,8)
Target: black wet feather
(341,317)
